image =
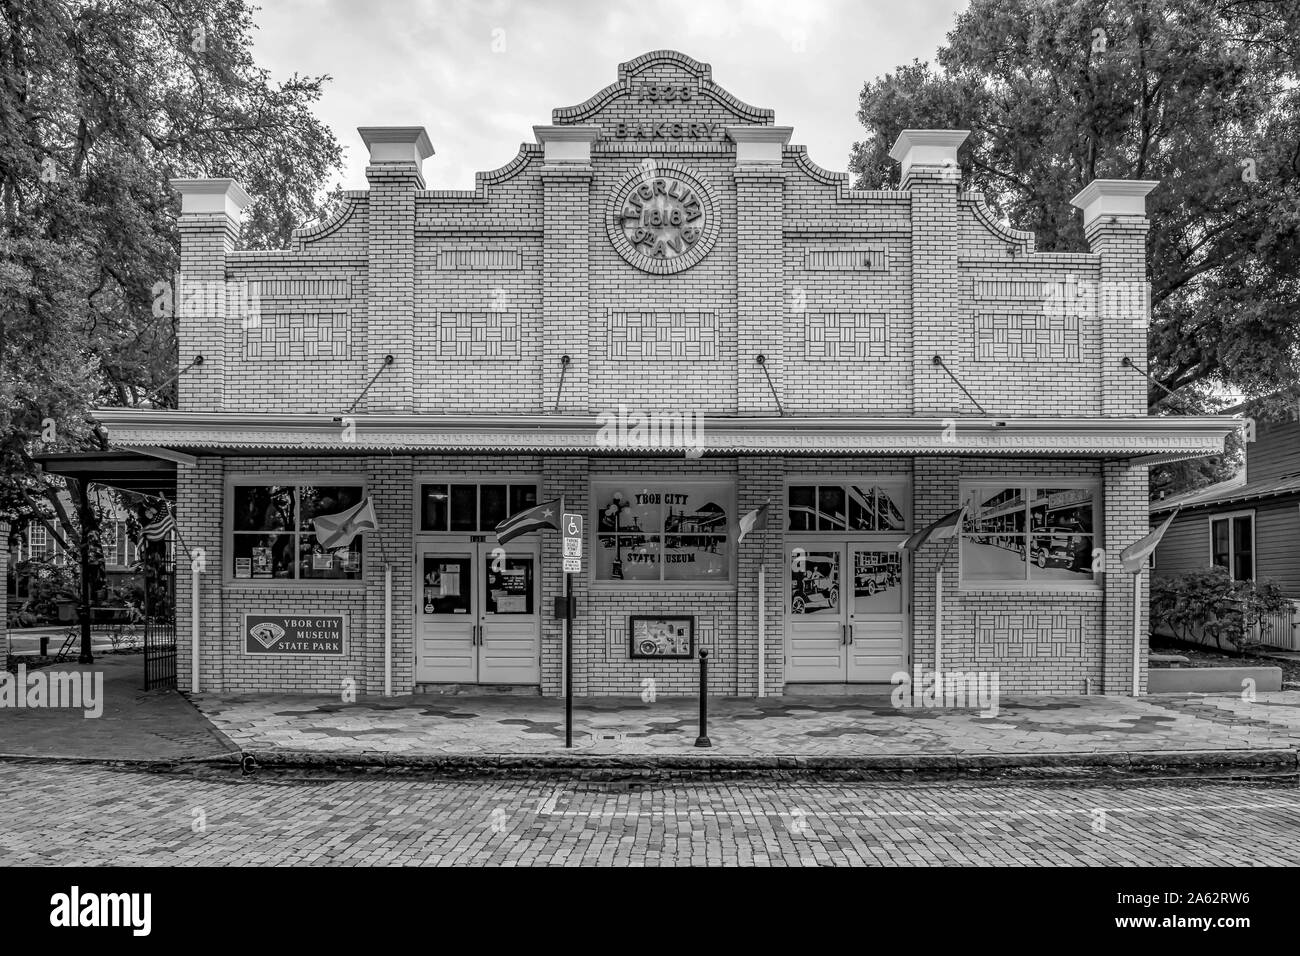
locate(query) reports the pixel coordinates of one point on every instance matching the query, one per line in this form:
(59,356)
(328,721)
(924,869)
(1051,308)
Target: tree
(101,103)
(1202,95)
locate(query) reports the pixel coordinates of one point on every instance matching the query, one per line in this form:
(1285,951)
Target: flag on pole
(545,515)
(159,528)
(945,527)
(1135,555)
(756,520)
(337,531)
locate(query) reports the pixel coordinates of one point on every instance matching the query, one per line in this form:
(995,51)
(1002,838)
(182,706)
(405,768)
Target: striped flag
(337,531)
(159,529)
(945,527)
(1135,555)
(756,520)
(545,515)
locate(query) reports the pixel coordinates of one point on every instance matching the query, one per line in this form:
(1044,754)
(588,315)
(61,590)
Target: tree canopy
(101,103)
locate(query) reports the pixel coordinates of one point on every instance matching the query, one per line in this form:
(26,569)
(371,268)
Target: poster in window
(662,531)
(261,562)
(243,568)
(322,561)
(671,637)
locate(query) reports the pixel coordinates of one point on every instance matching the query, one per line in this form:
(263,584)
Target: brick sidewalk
(1052,729)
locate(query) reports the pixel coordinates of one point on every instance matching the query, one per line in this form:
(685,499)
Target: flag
(545,515)
(945,527)
(337,531)
(159,529)
(756,520)
(1135,555)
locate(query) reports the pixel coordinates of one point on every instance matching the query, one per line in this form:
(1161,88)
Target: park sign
(299,635)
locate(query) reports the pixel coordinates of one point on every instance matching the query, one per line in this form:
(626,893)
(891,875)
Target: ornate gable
(665,97)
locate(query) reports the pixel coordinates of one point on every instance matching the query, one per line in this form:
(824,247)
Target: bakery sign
(661,217)
(304,635)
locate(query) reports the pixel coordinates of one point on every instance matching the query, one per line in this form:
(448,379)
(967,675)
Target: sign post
(571,531)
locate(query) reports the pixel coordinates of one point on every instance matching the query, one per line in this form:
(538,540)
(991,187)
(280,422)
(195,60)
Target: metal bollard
(703,739)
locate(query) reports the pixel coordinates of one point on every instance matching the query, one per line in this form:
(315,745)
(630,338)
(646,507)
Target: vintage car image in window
(814,581)
(1028,533)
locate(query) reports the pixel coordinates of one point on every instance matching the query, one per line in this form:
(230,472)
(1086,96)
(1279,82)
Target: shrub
(1211,603)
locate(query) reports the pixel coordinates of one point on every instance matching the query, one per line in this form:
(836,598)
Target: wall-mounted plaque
(661,217)
(299,635)
(659,637)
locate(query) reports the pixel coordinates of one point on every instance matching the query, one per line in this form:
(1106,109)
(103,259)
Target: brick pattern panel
(288,335)
(846,335)
(1000,637)
(1017,337)
(476,335)
(656,335)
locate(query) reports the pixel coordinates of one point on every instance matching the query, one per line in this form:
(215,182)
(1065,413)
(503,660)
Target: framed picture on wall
(661,636)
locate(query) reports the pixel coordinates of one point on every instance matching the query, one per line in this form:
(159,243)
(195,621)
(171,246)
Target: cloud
(479,75)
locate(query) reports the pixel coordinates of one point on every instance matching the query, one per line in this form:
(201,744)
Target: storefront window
(652,532)
(1028,534)
(273,537)
(472,508)
(856,506)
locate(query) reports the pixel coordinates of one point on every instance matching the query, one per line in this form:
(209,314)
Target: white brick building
(662,248)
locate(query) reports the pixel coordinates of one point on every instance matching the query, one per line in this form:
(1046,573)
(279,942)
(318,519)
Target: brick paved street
(80,815)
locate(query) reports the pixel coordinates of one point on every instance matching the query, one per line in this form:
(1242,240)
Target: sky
(479,74)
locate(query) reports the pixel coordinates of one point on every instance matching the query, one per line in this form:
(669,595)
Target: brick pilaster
(759,481)
(760,288)
(1126,519)
(1123,310)
(391,270)
(565,292)
(199,508)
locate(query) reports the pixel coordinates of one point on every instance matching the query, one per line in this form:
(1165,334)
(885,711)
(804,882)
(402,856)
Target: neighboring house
(1249,524)
(36,543)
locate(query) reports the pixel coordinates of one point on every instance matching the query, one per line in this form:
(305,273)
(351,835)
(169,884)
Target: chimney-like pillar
(1115,225)
(209,226)
(931,174)
(566,311)
(761,301)
(395,172)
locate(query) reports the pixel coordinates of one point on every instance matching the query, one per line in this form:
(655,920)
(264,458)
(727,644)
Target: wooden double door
(478,614)
(846,611)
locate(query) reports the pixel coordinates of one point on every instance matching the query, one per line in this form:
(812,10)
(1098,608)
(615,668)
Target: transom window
(272,536)
(855,506)
(1232,545)
(657,531)
(472,508)
(1028,534)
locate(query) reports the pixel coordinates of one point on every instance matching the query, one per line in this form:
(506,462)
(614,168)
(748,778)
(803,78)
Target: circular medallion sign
(661,218)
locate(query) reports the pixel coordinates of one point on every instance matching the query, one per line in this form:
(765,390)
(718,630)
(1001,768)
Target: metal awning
(1150,440)
(124,470)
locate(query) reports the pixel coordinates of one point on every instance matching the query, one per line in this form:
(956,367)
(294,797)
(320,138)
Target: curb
(1277,759)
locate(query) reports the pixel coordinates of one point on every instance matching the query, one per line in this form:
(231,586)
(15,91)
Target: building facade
(667,314)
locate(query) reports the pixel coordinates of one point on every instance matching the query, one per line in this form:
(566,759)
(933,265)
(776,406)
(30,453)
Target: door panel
(510,636)
(877,613)
(446,649)
(815,615)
